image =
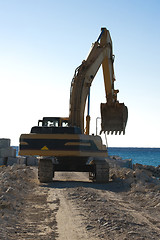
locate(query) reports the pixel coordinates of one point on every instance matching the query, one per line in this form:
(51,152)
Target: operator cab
(53,122)
(55,125)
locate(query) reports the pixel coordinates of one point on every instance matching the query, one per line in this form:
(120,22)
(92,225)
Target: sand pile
(15,182)
(141,178)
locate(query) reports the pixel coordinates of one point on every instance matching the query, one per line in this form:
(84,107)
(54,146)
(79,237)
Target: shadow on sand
(110,186)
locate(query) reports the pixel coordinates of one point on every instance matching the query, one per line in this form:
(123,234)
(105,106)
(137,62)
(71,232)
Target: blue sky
(41,44)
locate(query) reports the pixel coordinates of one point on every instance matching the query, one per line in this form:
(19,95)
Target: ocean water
(145,156)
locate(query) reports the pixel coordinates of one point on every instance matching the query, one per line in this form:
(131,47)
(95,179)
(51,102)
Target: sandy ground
(72,207)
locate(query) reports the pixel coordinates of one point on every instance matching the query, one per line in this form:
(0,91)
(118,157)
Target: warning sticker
(44,148)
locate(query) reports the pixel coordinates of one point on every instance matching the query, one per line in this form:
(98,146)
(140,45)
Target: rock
(11,161)
(116,161)
(5,142)
(89,227)
(155,171)
(142,175)
(31,161)
(3,161)
(102,220)
(7,152)
(115,157)
(22,160)
(157,206)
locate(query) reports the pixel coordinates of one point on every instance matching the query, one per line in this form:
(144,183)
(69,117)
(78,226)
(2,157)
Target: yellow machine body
(66,139)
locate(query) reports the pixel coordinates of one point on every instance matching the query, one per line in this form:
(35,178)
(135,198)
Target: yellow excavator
(64,144)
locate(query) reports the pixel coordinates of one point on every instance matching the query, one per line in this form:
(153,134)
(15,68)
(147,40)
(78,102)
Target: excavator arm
(113,114)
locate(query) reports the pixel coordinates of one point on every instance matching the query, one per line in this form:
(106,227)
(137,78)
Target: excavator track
(45,170)
(101,173)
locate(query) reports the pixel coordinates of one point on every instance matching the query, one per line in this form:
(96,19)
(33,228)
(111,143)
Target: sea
(145,156)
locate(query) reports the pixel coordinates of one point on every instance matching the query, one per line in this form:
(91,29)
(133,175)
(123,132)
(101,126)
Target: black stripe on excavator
(59,144)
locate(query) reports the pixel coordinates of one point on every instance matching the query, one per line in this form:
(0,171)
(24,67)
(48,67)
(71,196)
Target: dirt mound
(15,181)
(141,178)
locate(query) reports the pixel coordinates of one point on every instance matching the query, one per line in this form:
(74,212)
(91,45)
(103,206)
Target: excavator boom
(113,114)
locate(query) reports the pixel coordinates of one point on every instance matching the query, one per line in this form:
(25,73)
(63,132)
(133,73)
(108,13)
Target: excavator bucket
(113,117)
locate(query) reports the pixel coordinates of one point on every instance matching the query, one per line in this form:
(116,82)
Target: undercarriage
(98,169)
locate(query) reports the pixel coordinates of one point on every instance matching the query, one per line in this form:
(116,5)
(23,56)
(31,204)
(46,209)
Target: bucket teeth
(115,132)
